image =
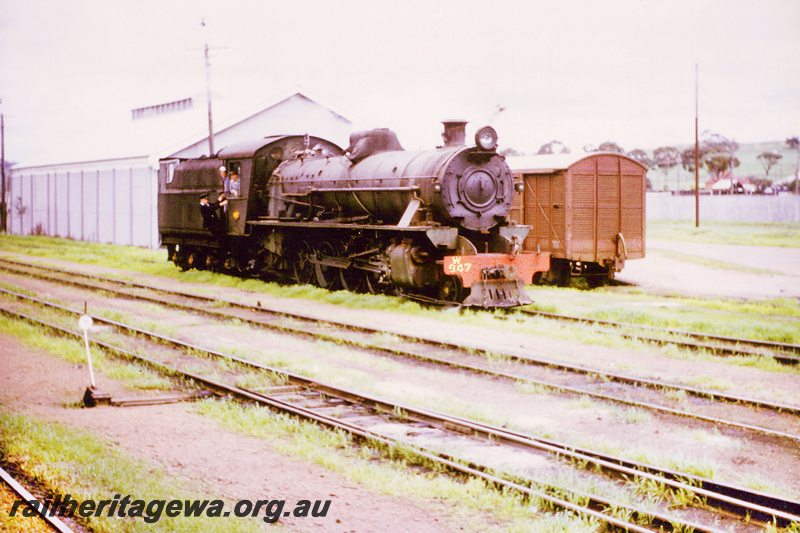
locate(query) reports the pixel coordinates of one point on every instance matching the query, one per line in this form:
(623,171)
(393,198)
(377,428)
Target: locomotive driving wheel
(194,259)
(372,282)
(353,279)
(302,266)
(327,276)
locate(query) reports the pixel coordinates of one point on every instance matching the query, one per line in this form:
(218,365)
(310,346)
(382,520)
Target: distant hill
(750,165)
(747,154)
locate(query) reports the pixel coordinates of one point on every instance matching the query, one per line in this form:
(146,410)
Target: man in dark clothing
(210,212)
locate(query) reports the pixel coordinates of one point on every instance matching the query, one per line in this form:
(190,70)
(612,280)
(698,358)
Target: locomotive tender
(373,218)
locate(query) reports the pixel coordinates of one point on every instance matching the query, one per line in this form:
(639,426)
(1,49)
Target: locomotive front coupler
(500,272)
(576,268)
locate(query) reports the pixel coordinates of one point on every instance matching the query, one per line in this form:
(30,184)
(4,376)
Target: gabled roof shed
(102,186)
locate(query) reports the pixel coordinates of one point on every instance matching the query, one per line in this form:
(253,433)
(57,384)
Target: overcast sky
(579,71)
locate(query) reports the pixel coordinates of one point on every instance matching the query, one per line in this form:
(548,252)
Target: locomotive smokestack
(455,132)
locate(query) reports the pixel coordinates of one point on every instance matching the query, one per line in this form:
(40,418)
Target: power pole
(794,143)
(796,171)
(3,209)
(696,153)
(208,94)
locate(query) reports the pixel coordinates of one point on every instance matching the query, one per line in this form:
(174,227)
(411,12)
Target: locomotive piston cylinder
(409,266)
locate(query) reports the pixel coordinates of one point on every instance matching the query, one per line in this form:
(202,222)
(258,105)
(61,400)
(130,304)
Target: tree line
(716,153)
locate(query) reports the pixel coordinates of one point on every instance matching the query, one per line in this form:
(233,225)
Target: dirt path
(176,440)
(757,272)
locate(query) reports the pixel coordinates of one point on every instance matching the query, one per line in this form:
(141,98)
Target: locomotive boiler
(374,217)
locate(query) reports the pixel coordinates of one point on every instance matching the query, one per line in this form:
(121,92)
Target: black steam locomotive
(372,218)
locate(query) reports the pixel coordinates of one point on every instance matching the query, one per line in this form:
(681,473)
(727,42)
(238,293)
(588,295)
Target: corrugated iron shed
(100,184)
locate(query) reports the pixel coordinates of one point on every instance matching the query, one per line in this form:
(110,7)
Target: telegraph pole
(796,170)
(697,153)
(794,142)
(208,94)
(3,208)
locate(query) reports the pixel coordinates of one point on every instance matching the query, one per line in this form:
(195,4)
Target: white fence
(733,207)
(118,204)
(108,204)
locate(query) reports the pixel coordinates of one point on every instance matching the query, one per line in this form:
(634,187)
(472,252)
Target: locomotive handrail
(281,180)
(365,189)
(304,204)
(292,194)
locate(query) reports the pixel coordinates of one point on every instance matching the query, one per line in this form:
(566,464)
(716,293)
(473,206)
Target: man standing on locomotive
(213,214)
(223,175)
(234,185)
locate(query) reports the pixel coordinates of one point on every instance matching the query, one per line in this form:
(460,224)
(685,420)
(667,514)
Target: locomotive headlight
(486,138)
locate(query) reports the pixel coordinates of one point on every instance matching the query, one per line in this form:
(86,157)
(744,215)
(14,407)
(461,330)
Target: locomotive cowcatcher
(372,218)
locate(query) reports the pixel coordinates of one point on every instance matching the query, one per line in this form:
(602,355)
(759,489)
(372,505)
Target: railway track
(393,424)
(560,377)
(784,353)
(722,345)
(51,523)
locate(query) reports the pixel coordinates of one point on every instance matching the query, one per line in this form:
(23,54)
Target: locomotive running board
(440,236)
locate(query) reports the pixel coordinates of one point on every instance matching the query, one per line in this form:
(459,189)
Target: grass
(784,234)
(443,402)
(773,320)
(664,458)
(609,303)
(59,456)
(604,302)
(69,461)
(757,320)
(465,502)
(769,320)
(154,262)
(17,523)
(138,378)
(72,350)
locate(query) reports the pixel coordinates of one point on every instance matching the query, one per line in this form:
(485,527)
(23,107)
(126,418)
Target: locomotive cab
(182,183)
